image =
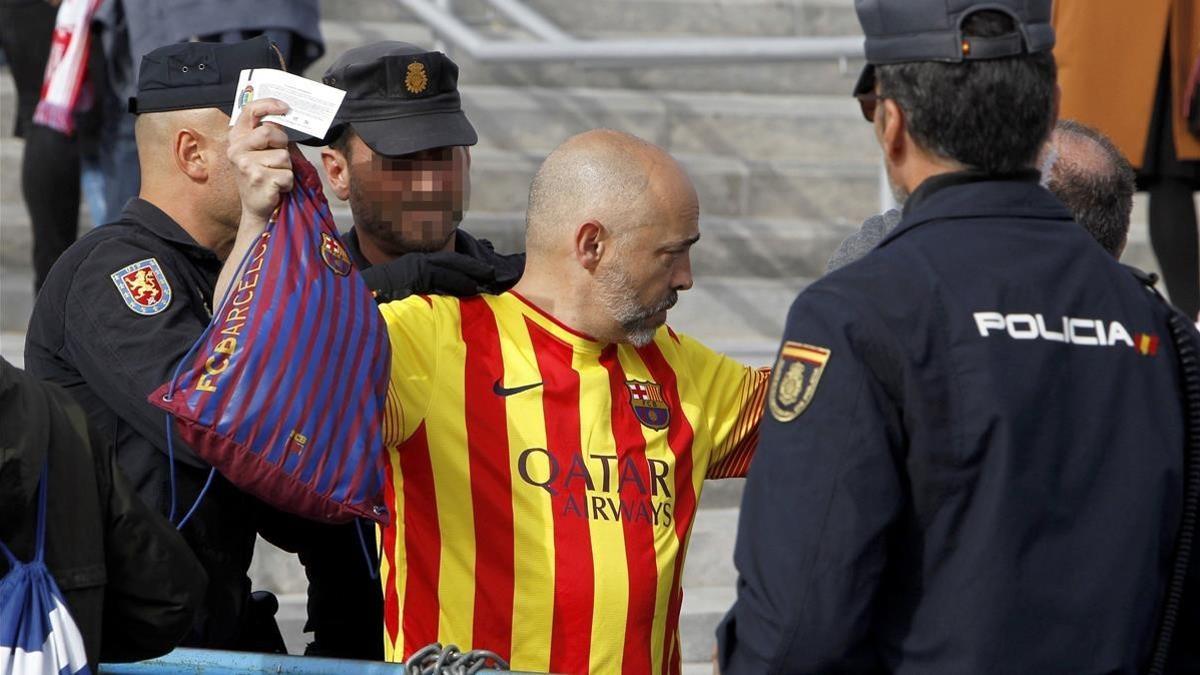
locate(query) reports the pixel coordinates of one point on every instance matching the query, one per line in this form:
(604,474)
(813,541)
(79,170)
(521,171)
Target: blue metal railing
(213,662)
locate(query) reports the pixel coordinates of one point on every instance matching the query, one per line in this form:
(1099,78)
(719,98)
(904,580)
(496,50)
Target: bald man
(547,445)
(1079,164)
(1086,170)
(124,304)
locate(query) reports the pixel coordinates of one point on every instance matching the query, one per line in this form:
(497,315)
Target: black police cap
(190,75)
(904,31)
(400,99)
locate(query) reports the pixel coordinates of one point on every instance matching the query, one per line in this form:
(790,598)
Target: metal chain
(450,660)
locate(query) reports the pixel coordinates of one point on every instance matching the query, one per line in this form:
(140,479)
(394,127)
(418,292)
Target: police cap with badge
(400,99)
(190,75)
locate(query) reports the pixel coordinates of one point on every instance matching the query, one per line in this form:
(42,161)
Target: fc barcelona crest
(143,287)
(334,254)
(794,379)
(648,404)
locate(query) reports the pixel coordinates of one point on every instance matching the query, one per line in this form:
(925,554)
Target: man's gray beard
(898,192)
(613,291)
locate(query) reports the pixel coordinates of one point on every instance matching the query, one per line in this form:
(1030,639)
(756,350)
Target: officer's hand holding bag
(284,392)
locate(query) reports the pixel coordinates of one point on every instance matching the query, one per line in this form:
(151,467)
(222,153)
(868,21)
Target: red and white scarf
(63,90)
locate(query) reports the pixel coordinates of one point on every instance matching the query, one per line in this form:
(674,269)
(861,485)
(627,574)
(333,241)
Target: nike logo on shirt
(500,390)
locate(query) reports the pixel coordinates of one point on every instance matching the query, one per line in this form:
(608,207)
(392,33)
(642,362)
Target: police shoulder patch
(143,287)
(794,379)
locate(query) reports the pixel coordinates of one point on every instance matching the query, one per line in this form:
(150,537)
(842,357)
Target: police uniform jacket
(118,312)
(973,454)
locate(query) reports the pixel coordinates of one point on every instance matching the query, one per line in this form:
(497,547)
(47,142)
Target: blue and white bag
(37,634)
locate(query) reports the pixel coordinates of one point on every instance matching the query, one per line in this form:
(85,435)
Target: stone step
(598,18)
(710,553)
(703,608)
(749,127)
(817,189)
(799,77)
(747,18)
(820,190)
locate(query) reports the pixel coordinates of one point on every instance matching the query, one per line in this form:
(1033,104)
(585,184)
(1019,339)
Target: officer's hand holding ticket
(259,150)
(259,153)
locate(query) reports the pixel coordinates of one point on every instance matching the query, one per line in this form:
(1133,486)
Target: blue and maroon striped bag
(284,393)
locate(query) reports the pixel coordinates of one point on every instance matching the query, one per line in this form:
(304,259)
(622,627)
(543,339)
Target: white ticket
(312,104)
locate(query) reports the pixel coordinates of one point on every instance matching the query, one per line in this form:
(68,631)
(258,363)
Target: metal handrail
(556,45)
(529,19)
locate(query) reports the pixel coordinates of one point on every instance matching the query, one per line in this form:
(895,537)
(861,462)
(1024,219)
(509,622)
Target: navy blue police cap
(905,31)
(190,75)
(400,99)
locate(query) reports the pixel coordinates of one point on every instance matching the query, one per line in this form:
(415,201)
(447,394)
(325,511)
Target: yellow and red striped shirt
(543,484)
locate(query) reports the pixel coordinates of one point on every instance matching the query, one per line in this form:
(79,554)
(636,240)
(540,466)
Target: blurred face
(410,203)
(648,264)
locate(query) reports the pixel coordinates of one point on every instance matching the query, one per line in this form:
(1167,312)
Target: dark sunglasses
(868,103)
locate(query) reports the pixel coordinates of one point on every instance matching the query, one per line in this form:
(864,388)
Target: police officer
(124,304)
(399,153)
(972,458)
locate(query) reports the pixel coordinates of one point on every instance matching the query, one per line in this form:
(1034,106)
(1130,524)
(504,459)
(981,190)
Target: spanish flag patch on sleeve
(795,378)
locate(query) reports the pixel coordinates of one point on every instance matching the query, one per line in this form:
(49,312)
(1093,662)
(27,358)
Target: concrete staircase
(783,162)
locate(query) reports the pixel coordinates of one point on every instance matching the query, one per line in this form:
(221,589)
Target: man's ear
(894,135)
(189,156)
(337,171)
(1057,107)
(589,244)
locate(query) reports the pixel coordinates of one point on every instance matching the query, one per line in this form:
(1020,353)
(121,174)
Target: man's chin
(642,333)
(432,234)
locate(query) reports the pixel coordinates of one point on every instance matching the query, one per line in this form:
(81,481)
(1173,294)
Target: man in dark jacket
(129,580)
(127,301)
(973,457)
(399,153)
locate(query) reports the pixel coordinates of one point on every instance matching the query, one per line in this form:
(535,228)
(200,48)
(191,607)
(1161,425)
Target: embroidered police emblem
(794,379)
(143,287)
(416,80)
(648,404)
(334,254)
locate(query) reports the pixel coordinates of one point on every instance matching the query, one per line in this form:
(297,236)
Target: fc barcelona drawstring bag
(284,393)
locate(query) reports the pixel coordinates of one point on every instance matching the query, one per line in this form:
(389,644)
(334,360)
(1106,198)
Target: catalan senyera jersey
(544,484)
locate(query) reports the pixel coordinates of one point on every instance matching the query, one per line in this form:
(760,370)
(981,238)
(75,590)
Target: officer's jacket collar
(141,212)
(971,194)
(350,240)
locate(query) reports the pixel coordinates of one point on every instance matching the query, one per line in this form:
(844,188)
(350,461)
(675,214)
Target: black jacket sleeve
(472,268)
(126,355)
(821,495)
(155,584)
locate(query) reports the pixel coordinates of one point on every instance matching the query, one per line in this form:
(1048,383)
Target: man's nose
(683,275)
